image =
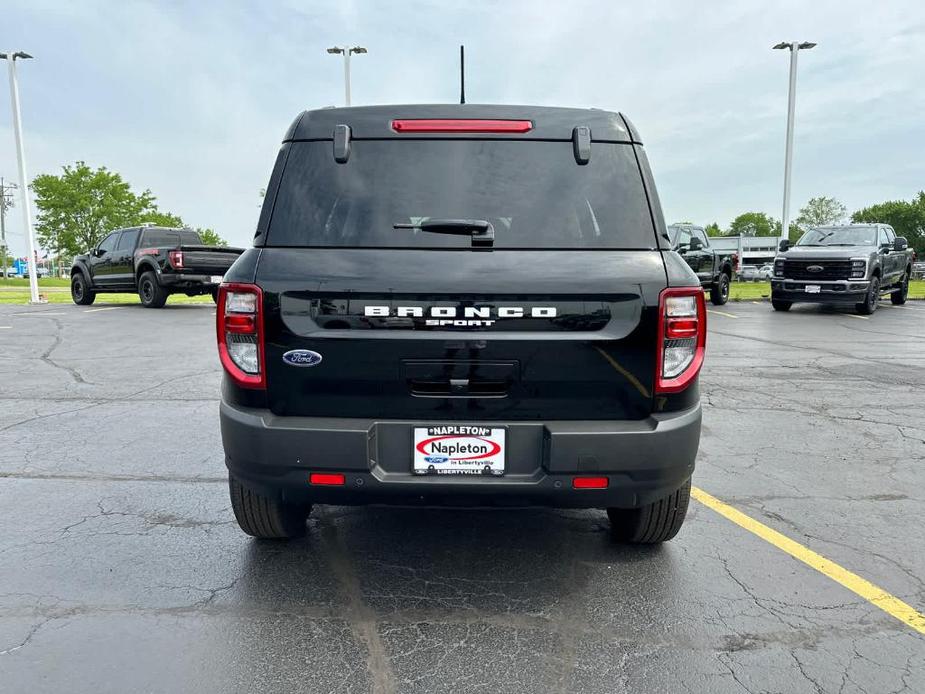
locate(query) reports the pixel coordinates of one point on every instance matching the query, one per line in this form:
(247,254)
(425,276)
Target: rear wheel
(899,296)
(719,294)
(781,305)
(657,522)
(869,305)
(151,293)
(266,518)
(80,290)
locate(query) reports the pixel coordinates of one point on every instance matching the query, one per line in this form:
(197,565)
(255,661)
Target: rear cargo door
(370,314)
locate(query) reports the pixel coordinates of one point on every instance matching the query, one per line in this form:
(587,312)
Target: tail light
(239,322)
(682,338)
(176,259)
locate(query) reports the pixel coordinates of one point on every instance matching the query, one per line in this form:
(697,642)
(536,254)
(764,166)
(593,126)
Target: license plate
(812,288)
(458,450)
(217,279)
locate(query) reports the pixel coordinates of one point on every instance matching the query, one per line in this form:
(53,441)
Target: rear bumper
(201,284)
(643,460)
(832,292)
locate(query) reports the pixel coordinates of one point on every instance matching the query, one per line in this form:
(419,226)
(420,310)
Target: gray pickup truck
(851,264)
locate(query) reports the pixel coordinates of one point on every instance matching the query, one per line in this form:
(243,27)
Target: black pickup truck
(461,304)
(153,261)
(714,270)
(848,264)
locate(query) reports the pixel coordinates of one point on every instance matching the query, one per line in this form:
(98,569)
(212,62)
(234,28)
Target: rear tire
(657,522)
(781,305)
(151,293)
(81,293)
(262,517)
(900,295)
(869,305)
(719,293)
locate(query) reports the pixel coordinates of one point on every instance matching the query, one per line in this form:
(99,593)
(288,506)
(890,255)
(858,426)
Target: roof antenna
(462,74)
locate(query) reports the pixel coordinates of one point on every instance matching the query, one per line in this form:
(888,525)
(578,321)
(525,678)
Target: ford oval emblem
(302,357)
(815,268)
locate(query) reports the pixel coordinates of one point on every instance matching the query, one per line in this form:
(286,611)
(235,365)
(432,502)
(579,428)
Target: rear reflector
(589,483)
(327,479)
(446,125)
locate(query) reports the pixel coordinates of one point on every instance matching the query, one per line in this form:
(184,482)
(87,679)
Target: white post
(23,179)
(788,157)
(347,75)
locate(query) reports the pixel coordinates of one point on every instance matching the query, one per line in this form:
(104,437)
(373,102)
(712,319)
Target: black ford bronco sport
(461,304)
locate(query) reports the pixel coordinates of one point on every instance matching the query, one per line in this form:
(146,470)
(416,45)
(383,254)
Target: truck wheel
(899,296)
(657,522)
(265,518)
(781,305)
(719,294)
(80,290)
(152,294)
(870,303)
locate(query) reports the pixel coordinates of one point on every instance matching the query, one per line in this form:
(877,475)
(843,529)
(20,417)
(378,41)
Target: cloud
(191,99)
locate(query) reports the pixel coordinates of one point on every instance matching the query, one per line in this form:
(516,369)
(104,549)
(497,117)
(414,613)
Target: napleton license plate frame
(459,450)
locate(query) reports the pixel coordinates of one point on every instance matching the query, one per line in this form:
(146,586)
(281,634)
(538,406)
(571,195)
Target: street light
(794,47)
(346,52)
(11,58)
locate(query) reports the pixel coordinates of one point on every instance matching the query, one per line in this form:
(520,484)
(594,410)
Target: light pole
(346,52)
(6,202)
(11,58)
(795,47)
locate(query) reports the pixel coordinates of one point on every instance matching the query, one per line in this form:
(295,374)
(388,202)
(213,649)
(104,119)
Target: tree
(821,211)
(210,238)
(754,224)
(906,218)
(79,207)
(161,219)
(713,229)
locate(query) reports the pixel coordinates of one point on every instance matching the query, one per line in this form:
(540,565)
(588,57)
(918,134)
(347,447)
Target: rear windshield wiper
(480,231)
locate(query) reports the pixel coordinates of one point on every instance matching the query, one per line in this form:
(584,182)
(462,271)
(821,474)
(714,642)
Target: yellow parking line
(875,595)
(851,315)
(104,308)
(721,313)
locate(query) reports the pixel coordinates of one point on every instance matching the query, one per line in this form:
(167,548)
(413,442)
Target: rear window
(532,192)
(157,237)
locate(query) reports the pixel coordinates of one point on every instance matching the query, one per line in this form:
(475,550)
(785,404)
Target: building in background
(750,250)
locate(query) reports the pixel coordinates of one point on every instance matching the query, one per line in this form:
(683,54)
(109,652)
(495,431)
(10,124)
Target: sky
(191,99)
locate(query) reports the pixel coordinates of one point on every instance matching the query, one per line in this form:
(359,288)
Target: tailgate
(447,335)
(208,260)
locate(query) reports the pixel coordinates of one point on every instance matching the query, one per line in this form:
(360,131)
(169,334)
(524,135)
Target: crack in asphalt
(362,619)
(46,355)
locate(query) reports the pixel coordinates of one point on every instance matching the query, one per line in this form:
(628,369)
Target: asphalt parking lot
(121,568)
